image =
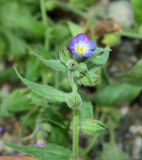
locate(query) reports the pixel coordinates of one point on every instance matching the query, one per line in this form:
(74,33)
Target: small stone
(122,12)
(124,110)
(137,148)
(136,129)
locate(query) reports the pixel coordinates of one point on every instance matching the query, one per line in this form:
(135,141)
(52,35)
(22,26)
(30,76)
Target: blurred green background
(45,26)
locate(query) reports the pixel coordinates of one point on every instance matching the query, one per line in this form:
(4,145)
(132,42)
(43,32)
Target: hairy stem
(75,133)
(75,145)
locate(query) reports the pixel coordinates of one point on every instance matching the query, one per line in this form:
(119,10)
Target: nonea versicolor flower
(40,143)
(1,130)
(82,46)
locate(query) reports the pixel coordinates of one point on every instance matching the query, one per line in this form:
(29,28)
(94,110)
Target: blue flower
(1,130)
(82,46)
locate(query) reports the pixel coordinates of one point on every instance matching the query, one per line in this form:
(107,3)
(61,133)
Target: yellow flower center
(80,49)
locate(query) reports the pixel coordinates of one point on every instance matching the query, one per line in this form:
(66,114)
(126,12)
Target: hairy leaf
(89,80)
(116,93)
(54,64)
(112,152)
(64,55)
(44,90)
(134,75)
(49,152)
(98,50)
(86,111)
(90,126)
(102,58)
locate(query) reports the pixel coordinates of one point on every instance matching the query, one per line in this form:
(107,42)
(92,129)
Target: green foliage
(58,136)
(19,17)
(31,70)
(9,72)
(134,75)
(51,151)
(111,39)
(116,93)
(80,3)
(137,4)
(111,152)
(54,64)
(125,90)
(91,126)
(89,79)
(64,55)
(23,28)
(17,25)
(86,111)
(44,90)
(17,101)
(102,58)
(75,29)
(74,100)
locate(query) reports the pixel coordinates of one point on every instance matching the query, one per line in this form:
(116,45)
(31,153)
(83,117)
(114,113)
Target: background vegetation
(44,26)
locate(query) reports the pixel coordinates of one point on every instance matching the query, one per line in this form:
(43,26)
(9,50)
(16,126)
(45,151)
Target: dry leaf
(17,158)
(107,26)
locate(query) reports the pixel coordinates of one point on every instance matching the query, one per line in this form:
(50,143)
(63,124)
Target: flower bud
(74,100)
(82,67)
(72,65)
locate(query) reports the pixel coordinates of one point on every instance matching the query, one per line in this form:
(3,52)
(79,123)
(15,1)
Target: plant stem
(75,145)
(75,133)
(112,136)
(91,145)
(44,20)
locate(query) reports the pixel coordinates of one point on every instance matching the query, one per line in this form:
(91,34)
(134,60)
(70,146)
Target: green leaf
(90,126)
(112,152)
(134,75)
(44,90)
(111,39)
(116,93)
(28,121)
(58,136)
(7,74)
(98,50)
(18,43)
(81,4)
(102,58)
(86,111)
(75,29)
(19,17)
(54,64)
(64,55)
(82,67)
(32,71)
(89,79)
(49,152)
(136,4)
(17,101)
(103,78)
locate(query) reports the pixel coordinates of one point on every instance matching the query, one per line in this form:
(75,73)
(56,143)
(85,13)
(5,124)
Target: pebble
(122,12)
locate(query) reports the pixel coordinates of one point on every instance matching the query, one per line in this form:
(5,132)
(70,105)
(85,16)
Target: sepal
(92,126)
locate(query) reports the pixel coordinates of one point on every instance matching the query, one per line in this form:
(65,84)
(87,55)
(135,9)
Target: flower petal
(79,42)
(91,45)
(82,37)
(76,53)
(88,53)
